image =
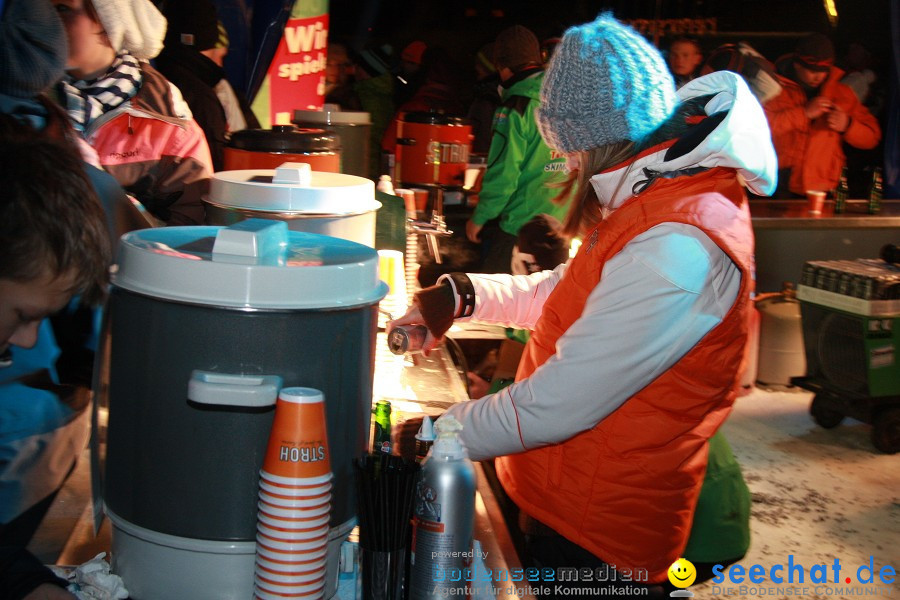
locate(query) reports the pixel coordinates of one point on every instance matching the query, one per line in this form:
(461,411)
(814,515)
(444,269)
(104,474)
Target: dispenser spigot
(434,229)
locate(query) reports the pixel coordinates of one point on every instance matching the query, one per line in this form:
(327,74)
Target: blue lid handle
(253,238)
(232,389)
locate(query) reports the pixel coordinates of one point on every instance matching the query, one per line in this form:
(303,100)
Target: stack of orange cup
(294,500)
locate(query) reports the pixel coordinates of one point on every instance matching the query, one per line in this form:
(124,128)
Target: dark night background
(461,27)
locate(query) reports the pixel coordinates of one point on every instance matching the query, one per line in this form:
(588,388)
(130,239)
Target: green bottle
(875,191)
(841,192)
(382,439)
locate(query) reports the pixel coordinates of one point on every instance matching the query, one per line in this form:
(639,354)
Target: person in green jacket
(374,87)
(520,164)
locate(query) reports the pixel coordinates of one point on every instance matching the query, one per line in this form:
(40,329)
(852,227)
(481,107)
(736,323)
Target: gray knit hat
(32,48)
(605,84)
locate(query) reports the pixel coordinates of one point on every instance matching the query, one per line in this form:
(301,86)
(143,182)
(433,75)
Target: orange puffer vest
(626,489)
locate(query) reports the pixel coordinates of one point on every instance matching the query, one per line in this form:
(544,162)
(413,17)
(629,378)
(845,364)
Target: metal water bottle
(444,518)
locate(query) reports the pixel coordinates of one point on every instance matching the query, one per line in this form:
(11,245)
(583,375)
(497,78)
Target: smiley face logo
(682,573)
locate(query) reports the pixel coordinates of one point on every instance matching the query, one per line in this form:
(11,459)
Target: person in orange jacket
(813,116)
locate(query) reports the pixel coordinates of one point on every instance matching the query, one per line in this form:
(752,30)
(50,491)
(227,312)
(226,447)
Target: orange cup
(292,561)
(292,514)
(272,577)
(293,524)
(295,482)
(409,200)
(264,595)
(295,501)
(267,536)
(288,591)
(292,535)
(283,491)
(298,442)
(299,548)
(421,198)
(290,568)
(816,201)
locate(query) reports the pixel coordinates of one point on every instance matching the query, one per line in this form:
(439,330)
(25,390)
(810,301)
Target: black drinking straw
(385,486)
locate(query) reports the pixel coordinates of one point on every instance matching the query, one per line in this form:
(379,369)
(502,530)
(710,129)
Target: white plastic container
(781,350)
(334,204)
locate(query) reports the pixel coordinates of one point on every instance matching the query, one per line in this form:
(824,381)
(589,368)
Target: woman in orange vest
(638,341)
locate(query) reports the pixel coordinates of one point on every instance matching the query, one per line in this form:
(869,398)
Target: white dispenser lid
(331,117)
(293,187)
(257,263)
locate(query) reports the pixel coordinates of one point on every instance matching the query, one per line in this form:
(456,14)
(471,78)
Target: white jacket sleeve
(656,299)
(512,300)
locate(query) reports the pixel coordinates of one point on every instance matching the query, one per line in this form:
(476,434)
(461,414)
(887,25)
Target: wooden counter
(787,236)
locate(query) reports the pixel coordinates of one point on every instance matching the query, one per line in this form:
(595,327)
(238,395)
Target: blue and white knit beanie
(605,84)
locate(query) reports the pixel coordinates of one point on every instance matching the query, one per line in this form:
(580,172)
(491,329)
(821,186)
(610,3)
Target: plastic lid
(277,190)
(301,395)
(257,263)
(331,117)
(434,118)
(285,138)
(426,430)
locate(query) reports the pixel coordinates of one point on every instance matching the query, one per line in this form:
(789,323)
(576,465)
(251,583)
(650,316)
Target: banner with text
(296,76)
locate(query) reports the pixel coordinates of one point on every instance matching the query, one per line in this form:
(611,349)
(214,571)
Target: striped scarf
(86,100)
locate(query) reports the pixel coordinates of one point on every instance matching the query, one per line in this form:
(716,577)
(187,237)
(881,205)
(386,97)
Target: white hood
(741,141)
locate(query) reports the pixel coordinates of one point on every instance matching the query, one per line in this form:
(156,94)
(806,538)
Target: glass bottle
(875,191)
(382,437)
(841,192)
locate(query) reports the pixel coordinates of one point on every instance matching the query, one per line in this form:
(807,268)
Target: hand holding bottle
(414,317)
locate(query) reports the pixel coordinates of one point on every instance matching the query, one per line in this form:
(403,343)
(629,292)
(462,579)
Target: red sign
(297,73)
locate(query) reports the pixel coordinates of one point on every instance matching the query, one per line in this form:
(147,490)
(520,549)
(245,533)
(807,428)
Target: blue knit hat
(605,84)
(32,48)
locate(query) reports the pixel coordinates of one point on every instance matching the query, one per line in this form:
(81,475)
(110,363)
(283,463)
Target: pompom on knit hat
(32,48)
(605,84)
(133,26)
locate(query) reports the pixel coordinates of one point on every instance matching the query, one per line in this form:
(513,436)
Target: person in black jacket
(195,46)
